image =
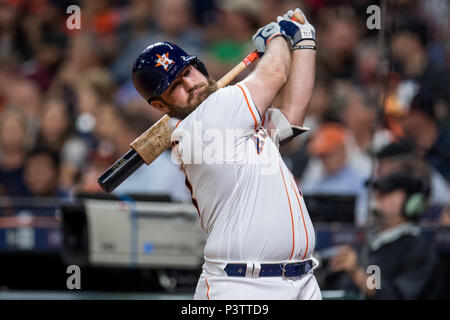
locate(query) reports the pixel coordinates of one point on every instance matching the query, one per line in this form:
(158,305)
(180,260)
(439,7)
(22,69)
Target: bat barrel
(120,170)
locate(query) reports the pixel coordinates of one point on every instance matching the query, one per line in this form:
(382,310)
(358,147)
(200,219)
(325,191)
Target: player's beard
(182,111)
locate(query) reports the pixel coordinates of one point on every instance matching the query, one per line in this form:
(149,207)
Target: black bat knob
(120,170)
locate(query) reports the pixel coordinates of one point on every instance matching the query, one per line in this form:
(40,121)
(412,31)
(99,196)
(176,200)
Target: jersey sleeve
(231,107)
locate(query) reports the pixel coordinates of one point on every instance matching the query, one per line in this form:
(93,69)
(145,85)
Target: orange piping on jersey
(191,190)
(303,218)
(207,291)
(264,119)
(292,217)
(176,126)
(248,104)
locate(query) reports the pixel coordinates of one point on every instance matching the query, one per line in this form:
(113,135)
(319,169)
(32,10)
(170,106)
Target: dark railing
(34,227)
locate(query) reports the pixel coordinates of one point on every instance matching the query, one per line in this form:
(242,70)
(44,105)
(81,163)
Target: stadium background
(68,110)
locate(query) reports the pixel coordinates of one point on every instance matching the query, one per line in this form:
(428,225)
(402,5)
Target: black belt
(295,269)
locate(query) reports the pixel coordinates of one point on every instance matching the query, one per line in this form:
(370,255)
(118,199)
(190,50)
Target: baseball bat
(155,140)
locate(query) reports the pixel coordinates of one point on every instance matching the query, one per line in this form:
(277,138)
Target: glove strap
(275,36)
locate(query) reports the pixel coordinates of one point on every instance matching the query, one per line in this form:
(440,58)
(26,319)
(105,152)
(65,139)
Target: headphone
(416,203)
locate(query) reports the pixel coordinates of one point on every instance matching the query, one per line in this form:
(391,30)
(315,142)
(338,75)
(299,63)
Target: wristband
(304,46)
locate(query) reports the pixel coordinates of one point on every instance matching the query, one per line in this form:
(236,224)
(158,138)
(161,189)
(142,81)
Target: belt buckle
(283,270)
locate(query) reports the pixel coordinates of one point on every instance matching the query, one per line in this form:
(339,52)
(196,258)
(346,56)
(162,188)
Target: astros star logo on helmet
(163,61)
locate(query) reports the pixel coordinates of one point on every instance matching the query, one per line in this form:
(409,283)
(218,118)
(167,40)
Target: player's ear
(160,105)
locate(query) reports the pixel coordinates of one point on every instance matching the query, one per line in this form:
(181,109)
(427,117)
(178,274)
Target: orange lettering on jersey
(259,138)
(163,61)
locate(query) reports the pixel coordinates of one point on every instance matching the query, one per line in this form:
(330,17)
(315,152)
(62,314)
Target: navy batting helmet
(158,65)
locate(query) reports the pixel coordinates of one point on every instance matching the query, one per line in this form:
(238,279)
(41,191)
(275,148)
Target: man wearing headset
(406,259)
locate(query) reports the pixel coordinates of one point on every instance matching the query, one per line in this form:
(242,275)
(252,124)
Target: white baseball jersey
(247,199)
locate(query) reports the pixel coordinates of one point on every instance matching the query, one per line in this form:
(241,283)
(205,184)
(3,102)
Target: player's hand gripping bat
(153,142)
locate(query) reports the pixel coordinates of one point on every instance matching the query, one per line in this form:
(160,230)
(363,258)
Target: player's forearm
(294,98)
(270,74)
(275,64)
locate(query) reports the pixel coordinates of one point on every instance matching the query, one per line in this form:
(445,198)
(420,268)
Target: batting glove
(294,30)
(263,36)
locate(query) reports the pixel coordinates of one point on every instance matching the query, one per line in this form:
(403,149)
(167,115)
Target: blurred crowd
(379,114)
(68,108)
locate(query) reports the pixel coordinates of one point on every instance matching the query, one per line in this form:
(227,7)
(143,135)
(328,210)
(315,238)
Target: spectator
(406,258)
(93,89)
(339,34)
(10,33)
(358,115)
(41,173)
(55,123)
(431,140)
(335,176)
(109,131)
(25,95)
(233,31)
(40,70)
(137,22)
(330,172)
(444,220)
(173,22)
(400,157)
(367,67)
(408,45)
(13,149)
(82,54)
(56,134)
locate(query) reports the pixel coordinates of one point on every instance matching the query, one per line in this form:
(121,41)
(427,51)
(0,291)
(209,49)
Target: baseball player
(260,238)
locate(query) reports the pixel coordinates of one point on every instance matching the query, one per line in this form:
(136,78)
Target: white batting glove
(263,35)
(294,30)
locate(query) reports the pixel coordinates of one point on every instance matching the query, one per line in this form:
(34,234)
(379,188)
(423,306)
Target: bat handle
(252,57)
(232,74)
(120,170)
